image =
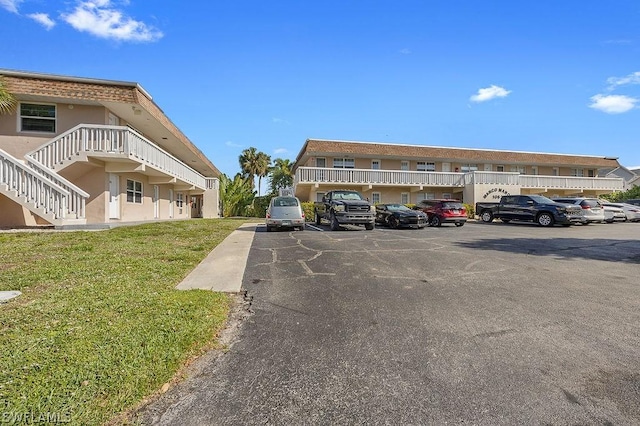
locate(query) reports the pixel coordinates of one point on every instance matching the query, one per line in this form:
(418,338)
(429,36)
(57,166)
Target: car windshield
(397,207)
(346,195)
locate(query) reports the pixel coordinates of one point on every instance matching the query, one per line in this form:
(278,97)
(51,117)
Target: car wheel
(317,217)
(545,219)
(459,224)
(435,221)
(609,221)
(368,226)
(393,222)
(487,216)
(335,226)
(301,228)
(269,228)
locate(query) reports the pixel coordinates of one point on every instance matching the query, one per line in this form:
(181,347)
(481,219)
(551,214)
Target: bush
(307,208)
(260,205)
(471,211)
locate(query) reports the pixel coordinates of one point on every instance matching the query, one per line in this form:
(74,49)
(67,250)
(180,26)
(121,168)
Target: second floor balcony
(402,178)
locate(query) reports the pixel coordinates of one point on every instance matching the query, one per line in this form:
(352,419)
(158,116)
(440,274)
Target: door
(171,203)
(446,167)
(156,201)
(114,196)
(375,176)
(321,162)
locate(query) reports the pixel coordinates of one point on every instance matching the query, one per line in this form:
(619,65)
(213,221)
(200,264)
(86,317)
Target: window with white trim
(375,197)
(577,172)
(344,163)
(404,198)
(447,195)
(424,166)
(179,199)
(404,165)
(134,191)
(591,173)
(500,168)
(534,170)
(425,196)
(375,164)
(37,118)
(469,168)
(518,169)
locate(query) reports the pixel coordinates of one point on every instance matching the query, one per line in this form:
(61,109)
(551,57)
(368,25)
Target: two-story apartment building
(88,151)
(386,172)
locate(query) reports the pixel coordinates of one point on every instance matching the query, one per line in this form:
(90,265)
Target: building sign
(495,193)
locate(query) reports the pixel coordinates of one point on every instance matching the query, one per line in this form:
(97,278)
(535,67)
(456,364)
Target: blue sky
(548,76)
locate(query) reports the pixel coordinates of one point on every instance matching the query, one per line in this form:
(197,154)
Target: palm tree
(263,166)
(281,175)
(8,102)
(254,163)
(249,164)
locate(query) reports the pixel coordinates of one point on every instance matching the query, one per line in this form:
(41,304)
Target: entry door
(321,162)
(171,203)
(446,167)
(156,201)
(114,196)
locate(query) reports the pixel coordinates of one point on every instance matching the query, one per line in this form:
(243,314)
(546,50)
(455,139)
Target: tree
(236,195)
(8,102)
(281,175)
(263,167)
(254,163)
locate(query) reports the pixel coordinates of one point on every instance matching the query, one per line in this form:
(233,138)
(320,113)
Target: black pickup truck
(342,207)
(529,208)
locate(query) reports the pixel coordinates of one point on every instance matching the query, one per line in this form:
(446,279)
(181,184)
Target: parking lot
(482,324)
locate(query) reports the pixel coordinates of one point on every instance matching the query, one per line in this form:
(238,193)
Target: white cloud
(280,151)
(633,78)
(11,5)
(489,93)
(280,120)
(613,104)
(232,144)
(43,19)
(99,18)
(405,51)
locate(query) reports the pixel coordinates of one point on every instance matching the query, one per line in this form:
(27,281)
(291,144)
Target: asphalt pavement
(485,324)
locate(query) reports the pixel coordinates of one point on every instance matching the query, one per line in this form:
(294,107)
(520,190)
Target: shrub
(471,211)
(307,208)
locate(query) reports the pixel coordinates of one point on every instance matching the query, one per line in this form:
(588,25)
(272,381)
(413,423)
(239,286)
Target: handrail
(36,189)
(112,140)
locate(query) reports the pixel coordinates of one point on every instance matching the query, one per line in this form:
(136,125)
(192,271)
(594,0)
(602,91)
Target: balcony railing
(313,175)
(110,141)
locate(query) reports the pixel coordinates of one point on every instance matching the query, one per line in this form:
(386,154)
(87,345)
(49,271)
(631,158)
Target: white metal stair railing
(88,139)
(32,190)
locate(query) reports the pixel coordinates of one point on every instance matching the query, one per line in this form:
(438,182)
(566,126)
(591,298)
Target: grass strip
(99,325)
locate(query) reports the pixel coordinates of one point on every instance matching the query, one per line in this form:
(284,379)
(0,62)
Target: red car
(444,211)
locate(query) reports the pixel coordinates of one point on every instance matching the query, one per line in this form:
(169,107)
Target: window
(534,170)
(447,195)
(375,197)
(375,164)
(404,198)
(344,163)
(319,196)
(134,191)
(556,171)
(469,168)
(404,165)
(499,168)
(518,169)
(425,196)
(577,172)
(423,166)
(591,173)
(37,118)
(179,201)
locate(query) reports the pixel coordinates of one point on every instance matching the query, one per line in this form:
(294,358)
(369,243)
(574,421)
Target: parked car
(444,211)
(632,213)
(592,210)
(613,213)
(635,201)
(397,215)
(530,208)
(284,212)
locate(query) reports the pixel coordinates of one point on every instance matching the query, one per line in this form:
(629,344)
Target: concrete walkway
(223,269)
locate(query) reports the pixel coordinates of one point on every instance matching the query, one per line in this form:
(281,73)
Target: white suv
(592,209)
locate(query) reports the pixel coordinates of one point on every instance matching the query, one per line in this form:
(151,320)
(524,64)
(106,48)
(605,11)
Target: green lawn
(99,325)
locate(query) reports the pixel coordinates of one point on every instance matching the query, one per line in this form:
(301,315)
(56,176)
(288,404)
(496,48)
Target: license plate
(286,222)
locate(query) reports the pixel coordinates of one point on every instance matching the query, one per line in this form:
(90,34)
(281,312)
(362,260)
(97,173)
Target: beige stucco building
(85,151)
(397,173)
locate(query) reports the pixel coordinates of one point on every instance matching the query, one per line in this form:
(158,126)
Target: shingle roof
(320,147)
